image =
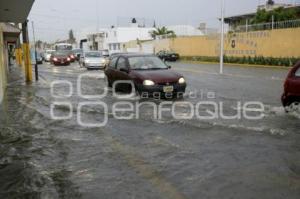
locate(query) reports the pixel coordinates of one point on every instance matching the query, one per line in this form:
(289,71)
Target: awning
(10,32)
(15,11)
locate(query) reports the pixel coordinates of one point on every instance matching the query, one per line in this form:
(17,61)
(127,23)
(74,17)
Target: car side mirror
(125,70)
(169,67)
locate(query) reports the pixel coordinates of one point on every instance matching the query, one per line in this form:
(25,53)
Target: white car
(47,55)
(93,60)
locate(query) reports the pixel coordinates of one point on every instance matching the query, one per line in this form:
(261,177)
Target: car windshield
(93,54)
(146,63)
(60,54)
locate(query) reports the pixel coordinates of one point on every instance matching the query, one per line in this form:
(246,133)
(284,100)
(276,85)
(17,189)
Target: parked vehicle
(36,59)
(72,56)
(47,55)
(77,52)
(93,60)
(149,74)
(168,55)
(63,46)
(60,58)
(291,93)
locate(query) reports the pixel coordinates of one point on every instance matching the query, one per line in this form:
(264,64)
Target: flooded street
(148,157)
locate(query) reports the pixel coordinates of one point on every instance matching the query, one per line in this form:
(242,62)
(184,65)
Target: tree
(71,37)
(279,14)
(163,31)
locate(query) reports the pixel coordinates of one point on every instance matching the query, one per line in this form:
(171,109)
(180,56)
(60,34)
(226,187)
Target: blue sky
(54,18)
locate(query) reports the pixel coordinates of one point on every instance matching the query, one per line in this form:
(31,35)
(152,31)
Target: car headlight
(148,83)
(87,61)
(181,81)
(102,61)
(54,59)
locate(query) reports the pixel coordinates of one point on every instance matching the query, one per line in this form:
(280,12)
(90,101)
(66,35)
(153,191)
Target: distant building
(185,30)
(96,41)
(271,5)
(237,20)
(114,38)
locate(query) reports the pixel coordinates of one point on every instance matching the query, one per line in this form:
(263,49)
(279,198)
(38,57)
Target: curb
(241,65)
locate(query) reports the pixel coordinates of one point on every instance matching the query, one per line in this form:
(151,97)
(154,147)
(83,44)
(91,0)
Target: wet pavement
(149,157)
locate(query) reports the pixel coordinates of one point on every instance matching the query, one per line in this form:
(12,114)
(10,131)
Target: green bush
(257,60)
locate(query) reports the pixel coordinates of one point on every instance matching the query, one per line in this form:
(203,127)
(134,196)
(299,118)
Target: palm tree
(163,31)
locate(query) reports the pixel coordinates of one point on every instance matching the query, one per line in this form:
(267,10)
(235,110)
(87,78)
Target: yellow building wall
(194,46)
(272,43)
(275,43)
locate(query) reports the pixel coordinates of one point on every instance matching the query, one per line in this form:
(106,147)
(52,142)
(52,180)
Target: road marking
(227,74)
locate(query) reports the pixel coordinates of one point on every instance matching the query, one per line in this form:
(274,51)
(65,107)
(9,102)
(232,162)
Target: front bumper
(95,65)
(159,89)
(61,62)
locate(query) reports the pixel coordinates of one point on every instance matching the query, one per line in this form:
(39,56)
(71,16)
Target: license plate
(168,89)
(62,62)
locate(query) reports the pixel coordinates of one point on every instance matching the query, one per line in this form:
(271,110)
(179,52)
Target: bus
(63,47)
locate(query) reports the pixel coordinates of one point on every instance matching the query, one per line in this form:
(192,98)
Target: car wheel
(292,106)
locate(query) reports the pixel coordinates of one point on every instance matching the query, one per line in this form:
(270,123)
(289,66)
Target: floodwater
(149,157)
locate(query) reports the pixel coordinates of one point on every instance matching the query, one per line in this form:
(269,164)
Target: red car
(292,87)
(60,58)
(149,74)
(72,57)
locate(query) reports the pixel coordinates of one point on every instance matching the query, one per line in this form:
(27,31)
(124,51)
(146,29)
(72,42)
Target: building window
(115,46)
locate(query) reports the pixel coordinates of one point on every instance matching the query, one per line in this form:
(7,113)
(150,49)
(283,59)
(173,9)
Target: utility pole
(97,15)
(222,38)
(35,53)
(27,61)
(272,22)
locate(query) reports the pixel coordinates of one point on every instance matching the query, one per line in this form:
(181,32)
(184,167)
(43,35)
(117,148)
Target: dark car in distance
(168,55)
(70,54)
(291,92)
(149,74)
(77,53)
(60,58)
